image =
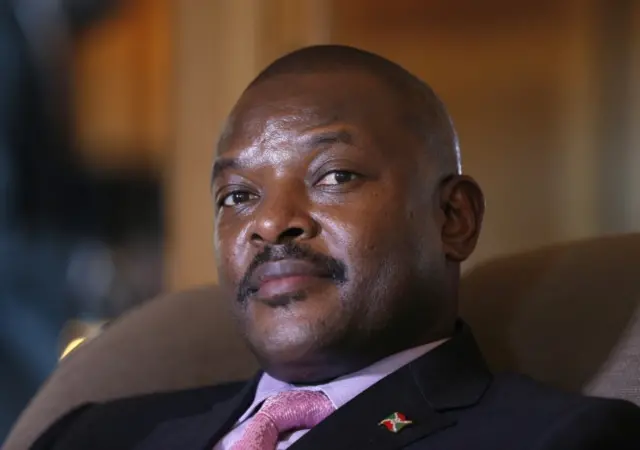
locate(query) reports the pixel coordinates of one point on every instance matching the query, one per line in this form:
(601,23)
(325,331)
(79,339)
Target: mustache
(331,267)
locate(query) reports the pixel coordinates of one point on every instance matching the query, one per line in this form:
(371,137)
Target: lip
(283,277)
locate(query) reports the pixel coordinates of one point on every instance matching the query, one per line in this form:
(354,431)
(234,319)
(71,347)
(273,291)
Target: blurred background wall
(109,111)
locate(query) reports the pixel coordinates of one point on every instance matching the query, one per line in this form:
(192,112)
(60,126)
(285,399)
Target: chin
(294,341)
(294,351)
(292,337)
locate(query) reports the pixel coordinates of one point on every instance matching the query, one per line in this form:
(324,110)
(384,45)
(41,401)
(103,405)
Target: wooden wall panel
(122,87)
(633,165)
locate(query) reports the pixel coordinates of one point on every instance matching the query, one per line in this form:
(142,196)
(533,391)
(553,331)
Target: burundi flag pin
(395,422)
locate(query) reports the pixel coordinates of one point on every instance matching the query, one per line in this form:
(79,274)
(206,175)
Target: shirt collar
(343,389)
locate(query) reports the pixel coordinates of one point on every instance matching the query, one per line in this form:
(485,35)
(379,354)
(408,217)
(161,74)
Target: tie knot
(282,413)
(295,410)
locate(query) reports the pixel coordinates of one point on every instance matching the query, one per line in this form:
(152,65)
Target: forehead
(275,108)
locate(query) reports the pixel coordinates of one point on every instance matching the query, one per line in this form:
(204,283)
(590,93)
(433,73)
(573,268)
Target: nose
(284,216)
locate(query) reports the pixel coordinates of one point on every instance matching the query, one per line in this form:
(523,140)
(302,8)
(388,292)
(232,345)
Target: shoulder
(595,424)
(165,404)
(555,419)
(130,418)
(187,399)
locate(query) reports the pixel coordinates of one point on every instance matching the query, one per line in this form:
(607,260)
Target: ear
(462,206)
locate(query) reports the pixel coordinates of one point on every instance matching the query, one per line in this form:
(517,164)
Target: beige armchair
(566,314)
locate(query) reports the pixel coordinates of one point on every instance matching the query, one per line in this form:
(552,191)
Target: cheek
(383,240)
(373,243)
(368,228)
(232,257)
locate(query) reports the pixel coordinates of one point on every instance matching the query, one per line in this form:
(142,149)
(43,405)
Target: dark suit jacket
(449,394)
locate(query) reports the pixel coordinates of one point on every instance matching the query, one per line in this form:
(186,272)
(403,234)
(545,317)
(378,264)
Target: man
(341,221)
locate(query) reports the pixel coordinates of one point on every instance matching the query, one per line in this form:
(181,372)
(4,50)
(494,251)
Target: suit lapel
(204,430)
(427,391)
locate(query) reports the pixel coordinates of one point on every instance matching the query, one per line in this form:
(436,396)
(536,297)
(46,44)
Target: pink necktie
(284,412)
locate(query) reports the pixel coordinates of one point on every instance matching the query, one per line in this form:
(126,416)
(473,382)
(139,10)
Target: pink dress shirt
(339,391)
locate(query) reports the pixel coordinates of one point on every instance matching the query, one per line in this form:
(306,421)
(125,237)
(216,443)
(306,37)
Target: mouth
(285,278)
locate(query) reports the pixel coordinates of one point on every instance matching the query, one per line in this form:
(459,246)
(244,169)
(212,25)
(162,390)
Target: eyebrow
(223,164)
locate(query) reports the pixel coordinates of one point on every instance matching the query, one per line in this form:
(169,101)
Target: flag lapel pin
(395,422)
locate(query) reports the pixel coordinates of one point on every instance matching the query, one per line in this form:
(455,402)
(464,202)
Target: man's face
(326,226)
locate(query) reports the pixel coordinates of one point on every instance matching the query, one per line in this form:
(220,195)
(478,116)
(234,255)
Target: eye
(336,177)
(236,198)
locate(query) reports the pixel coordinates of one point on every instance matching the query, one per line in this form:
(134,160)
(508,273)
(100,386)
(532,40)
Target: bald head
(424,114)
